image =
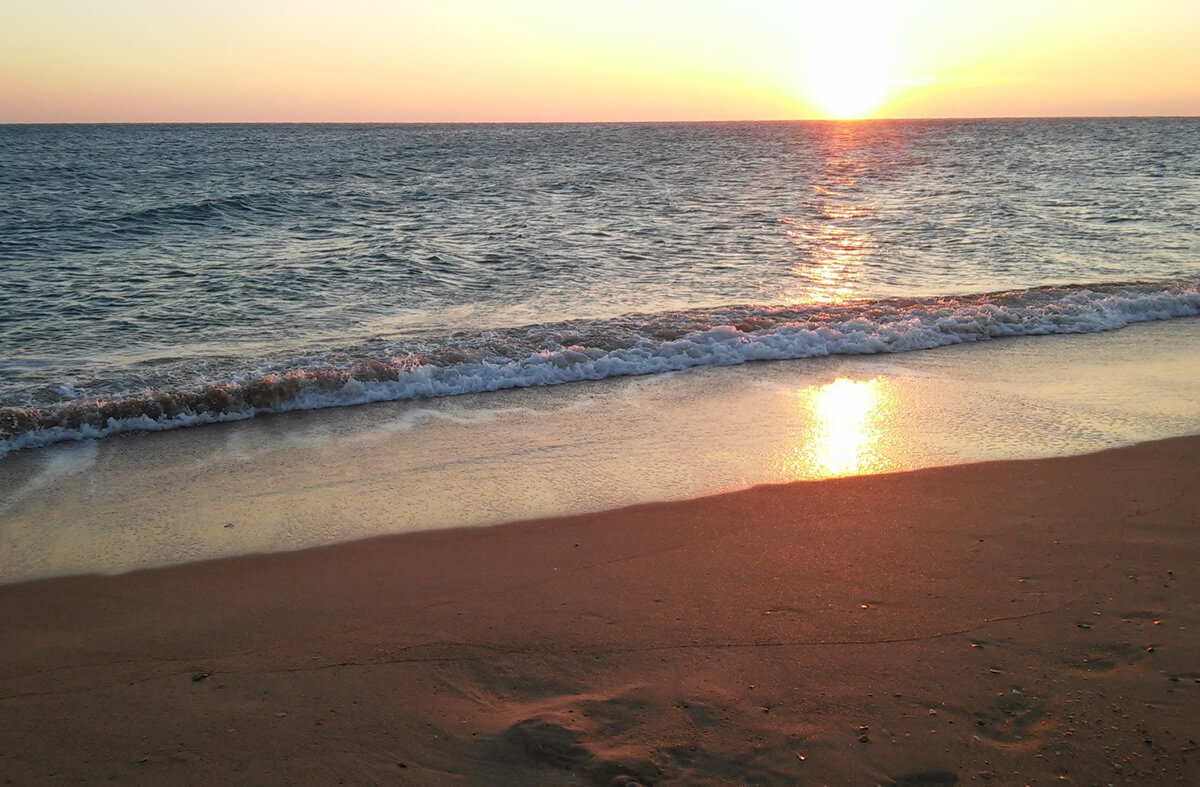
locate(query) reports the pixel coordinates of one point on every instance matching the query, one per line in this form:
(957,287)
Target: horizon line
(573,122)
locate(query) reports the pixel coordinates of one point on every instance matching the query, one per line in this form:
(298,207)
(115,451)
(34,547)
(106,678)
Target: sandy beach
(1007,622)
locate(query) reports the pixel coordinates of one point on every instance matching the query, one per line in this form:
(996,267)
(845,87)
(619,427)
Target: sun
(848,57)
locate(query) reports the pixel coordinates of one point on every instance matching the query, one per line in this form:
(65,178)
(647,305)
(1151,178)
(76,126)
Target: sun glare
(846,416)
(842,428)
(848,64)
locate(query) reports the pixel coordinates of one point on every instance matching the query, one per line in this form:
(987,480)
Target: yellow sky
(547,60)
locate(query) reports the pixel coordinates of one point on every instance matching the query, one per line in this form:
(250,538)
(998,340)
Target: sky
(610,60)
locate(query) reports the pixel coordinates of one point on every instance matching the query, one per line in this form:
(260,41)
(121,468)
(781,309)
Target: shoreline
(1033,618)
(311,478)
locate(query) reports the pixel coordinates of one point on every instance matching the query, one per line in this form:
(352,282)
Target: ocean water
(153,277)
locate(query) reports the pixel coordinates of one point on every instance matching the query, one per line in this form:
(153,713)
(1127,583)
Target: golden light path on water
(830,240)
(839,429)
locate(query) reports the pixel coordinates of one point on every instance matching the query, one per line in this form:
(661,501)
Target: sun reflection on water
(833,270)
(830,235)
(845,421)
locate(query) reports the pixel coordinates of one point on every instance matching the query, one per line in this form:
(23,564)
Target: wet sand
(1029,621)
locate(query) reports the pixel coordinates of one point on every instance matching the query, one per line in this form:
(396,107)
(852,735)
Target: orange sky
(548,60)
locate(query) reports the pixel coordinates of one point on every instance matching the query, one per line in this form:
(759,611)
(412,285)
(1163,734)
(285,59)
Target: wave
(555,353)
(165,217)
(198,212)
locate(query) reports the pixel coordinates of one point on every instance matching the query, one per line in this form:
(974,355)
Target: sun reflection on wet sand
(844,422)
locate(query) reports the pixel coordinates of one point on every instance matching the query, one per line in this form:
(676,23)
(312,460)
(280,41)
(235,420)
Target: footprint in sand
(1104,657)
(1010,718)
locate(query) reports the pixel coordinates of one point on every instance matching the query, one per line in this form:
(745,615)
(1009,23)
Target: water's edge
(555,353)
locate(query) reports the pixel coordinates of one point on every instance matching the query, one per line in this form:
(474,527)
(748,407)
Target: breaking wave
(554,353)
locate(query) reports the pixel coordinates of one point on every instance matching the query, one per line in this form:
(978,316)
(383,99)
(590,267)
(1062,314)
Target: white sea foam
(712,337)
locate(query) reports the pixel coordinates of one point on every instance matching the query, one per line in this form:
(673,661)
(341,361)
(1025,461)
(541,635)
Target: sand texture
(1013,622)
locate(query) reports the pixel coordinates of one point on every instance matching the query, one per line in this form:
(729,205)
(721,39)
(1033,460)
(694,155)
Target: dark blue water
(154,276)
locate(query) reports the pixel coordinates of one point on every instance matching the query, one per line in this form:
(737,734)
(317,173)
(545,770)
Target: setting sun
(848,57)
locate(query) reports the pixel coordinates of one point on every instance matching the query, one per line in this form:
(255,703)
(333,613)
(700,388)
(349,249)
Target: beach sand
(1014,622)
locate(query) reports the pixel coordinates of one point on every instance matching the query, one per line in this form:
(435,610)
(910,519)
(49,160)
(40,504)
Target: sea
(154,277)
